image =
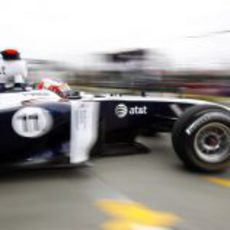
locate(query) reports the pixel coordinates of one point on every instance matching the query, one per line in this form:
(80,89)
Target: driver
(13,71)
(62,89)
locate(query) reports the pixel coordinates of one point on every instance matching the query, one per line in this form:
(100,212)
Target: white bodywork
(84,129)
(11,100)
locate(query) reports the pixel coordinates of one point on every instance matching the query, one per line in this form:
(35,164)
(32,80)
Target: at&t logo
(122,110)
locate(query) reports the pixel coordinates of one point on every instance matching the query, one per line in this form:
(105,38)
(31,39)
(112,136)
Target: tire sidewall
(193,126)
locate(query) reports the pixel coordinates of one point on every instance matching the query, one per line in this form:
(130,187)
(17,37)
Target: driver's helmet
(60,88)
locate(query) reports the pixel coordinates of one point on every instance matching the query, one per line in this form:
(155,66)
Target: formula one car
(39,128)
(48,128)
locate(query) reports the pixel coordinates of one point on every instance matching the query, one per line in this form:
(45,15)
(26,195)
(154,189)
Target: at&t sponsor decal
(122,110)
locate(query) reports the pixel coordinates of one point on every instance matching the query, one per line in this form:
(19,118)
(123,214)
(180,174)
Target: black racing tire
(201,138)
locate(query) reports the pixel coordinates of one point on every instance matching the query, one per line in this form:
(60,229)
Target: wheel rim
(212,142)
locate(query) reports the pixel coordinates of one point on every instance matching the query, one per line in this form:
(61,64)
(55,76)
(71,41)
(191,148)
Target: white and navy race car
(39,128)
(50,126)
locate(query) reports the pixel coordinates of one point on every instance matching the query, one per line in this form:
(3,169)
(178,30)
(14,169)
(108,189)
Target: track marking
(220,181)
(134,216)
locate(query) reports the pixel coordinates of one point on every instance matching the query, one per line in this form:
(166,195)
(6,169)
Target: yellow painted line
(220,181)
(130,214)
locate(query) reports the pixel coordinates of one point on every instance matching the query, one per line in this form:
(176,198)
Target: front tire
(201,138)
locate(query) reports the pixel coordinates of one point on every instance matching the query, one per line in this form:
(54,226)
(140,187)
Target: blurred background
(178,47)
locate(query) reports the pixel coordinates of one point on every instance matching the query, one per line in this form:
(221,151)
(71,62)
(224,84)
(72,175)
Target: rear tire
(201,138)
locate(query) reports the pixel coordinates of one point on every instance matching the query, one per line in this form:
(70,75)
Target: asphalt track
(141,192)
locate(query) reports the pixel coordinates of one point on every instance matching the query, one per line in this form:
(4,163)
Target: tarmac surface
(140,192)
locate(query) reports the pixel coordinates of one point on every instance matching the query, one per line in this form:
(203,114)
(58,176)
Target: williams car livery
(52,126)
(39,128)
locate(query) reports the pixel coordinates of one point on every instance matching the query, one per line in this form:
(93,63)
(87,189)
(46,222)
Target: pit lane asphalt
(66,199)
